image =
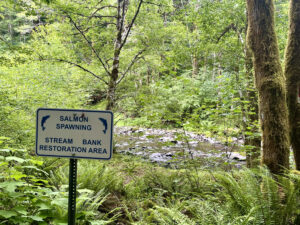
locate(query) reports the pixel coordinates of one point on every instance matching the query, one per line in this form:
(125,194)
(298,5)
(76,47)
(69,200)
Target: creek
(174,148)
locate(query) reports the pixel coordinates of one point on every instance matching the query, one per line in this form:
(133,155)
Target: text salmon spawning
(73,127)
(74,118)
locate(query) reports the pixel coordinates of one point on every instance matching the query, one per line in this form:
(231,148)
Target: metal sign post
(72,191)
(74,133)
(299,94)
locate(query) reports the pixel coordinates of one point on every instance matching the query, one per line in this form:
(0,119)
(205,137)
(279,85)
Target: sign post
(299,93)
(72,191)
(74,134)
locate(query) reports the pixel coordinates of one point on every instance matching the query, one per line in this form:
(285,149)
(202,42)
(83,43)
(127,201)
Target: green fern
(254,197)
(171,216)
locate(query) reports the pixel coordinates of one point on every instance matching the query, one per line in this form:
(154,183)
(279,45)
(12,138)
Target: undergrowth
(29,195)
(128,190)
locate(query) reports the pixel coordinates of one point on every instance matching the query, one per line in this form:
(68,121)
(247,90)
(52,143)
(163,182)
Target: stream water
(170,148)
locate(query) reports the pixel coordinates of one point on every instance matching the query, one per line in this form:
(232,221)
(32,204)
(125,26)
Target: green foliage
(127,189)
(190,76)
(257,198)
(97,174)
(154,195)
(18,19)
(172,101)
(243,197)
(163,89)
(27,196)
(165,215)
(19,103)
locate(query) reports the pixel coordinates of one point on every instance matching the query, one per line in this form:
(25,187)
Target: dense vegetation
(159,64)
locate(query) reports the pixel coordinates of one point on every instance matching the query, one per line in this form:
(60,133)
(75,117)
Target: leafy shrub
(27,197)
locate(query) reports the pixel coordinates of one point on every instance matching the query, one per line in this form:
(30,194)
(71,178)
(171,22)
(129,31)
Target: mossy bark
(270,83)
(252,153)
(292,73)
(112,85)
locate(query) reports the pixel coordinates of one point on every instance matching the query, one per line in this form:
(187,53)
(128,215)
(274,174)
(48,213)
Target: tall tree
(120,41)
(270,83)
(100,32)
(292,73)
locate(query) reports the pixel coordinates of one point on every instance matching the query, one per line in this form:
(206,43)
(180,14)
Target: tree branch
(81,67)
(131,24)
(227,29)
(123,16)
(107,60)
(103,7)
(134,60)
(90,45)
(99,16)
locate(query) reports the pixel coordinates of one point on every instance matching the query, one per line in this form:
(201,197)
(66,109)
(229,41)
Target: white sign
(74,133)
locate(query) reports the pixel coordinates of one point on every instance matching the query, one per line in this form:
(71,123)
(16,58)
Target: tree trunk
(111,92)
(270,83)
(252,141)
(111,98)
(195,65)
(292,73)
(121,38)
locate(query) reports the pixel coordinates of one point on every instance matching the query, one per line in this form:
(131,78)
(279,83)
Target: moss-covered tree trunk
(292,73)
(270,83)
(114,75)
(253,141)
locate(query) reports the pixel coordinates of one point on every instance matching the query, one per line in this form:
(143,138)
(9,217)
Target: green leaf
(61,202)
(11,186)
(43,206)
(37,218)
(4,150)
(35,168)
(40,181)
(7,214)
(99,222)
(14,158)
(4,138)
(21,210)
(17,176)
(36,162)
(16,194)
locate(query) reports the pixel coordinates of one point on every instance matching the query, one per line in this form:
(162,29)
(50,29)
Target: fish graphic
(44,121)
(104,124)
